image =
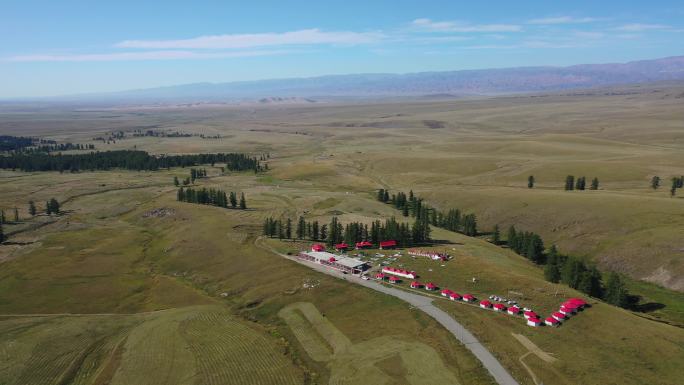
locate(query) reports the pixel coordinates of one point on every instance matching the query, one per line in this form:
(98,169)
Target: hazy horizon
(75,48)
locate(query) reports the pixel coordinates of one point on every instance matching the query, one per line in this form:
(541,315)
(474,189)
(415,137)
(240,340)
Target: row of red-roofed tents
(400,272)
(389,244)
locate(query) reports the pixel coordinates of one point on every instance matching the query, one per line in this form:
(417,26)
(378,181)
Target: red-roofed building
(416,285)
(566,311)
(341,246)
(552,321)
(485,304)
(445,292)
(530,314)
(513,310)
(379,276)
(332,259)
(558,315)
(317,247)
(499,307)
(364,245)
(390,244)
(430,286)
(454,296)
(468,297)
(394,279)
(533,322)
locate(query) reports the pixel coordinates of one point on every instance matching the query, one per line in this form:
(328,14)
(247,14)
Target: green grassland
(143,295)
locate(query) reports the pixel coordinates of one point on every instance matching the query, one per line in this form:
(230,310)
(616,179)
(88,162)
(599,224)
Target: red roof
(393,278)
(559,315)
(415,284)
(551,320)
(455,295)
(364,244)
(332,259)
(379,275)
(446,291)
(390,243)
(530,314)
(499,306)
(514,309)
(486,303)
(431,285)
(341,246)
(317,247)
(571,305)
(535,320)
(468,296)
(577,301)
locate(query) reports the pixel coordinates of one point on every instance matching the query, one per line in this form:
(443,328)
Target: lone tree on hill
(530,181)
(16,214)
(594,184)
(32,208)
(655,182)
(569,183)
(243,202)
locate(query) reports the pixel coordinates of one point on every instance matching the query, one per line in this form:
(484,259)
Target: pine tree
(512,237)
(569,183)
(324,232)
(175,181)
(594,184)
(233,199)
(381,195)
(673,189)
(288,228)
(243,202)
(580,183)
(54,206)
(2,217)
(315,230)
(496,235)
(530,181)
(551,270)
(32,208)
(405,211)
(571,272)
(2,234)
(616,292)
(301,224)
(48,208)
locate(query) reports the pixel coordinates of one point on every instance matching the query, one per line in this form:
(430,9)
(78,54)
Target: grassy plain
(185,280)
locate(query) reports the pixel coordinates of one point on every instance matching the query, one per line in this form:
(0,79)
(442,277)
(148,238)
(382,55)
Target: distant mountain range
(423,84)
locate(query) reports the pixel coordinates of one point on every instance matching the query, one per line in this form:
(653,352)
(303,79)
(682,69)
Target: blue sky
(65,47)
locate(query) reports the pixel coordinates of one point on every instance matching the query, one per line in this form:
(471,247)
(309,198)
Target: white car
(365,277)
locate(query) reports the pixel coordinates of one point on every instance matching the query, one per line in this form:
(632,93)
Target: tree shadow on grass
(635,304)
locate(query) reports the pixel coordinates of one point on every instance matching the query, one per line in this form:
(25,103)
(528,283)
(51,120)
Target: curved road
(501,375)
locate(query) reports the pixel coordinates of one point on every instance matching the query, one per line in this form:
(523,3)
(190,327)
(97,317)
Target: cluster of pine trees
(580,183)
(211,196)
(566,269)
(51,207)
(410,205)
(527,244)
(124,159)
(22,144)
(350,233)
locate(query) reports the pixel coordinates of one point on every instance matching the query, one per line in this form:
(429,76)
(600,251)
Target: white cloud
(301,37)
(138,56)
(451,26)
(563,20)
(638,27)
